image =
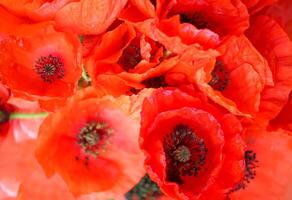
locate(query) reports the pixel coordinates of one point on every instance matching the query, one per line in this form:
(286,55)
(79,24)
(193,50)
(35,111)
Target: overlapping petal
(238,78)
(202,21)
(276,47)
(145,57)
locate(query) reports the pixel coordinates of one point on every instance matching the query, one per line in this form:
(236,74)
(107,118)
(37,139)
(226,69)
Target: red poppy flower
(193,149)
(143,58)
(89,16)
(19,170)
(36,60)
(86,143)
(202,21)
(269,166)
(276,47)
(34,9)
(239,70)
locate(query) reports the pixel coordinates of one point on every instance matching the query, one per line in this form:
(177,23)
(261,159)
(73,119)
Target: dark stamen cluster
(251,163)
(185,153)
(4,115)
(92,137)
(131,56)
(197,19)
(50,68)
(155,82)
(220,77)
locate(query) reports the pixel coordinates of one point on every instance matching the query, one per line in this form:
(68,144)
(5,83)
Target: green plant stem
(27,115)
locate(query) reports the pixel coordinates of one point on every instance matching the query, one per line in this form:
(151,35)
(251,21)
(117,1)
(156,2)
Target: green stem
(27,115)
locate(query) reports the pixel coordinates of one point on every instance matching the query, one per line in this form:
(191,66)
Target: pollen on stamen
(220,77)
(50,68)
(185,153)
(93,137)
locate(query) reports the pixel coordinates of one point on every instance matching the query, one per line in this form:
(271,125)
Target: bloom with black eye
(92,143)
(47,63)
(238,77)
(193,149)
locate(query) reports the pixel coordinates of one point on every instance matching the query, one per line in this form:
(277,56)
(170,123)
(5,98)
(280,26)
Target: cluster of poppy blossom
(145,99)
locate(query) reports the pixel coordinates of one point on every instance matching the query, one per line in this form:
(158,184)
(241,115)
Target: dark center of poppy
(251,163)
(153,2)
(155,82)
(4,116)
(50,68)
(185,153)
(196,18)
(131,56)
(220,77)
(92,137)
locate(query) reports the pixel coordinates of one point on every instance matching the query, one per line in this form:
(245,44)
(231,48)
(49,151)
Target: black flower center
(50,68)
(155,82)
(92,137)
(196,18)
(131,55)
(185,153)
(220,77)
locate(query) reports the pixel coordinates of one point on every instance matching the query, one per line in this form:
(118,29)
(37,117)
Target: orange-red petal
(89,16)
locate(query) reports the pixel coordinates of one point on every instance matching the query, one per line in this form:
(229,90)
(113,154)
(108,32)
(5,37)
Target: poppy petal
(277,49)
(89,16)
